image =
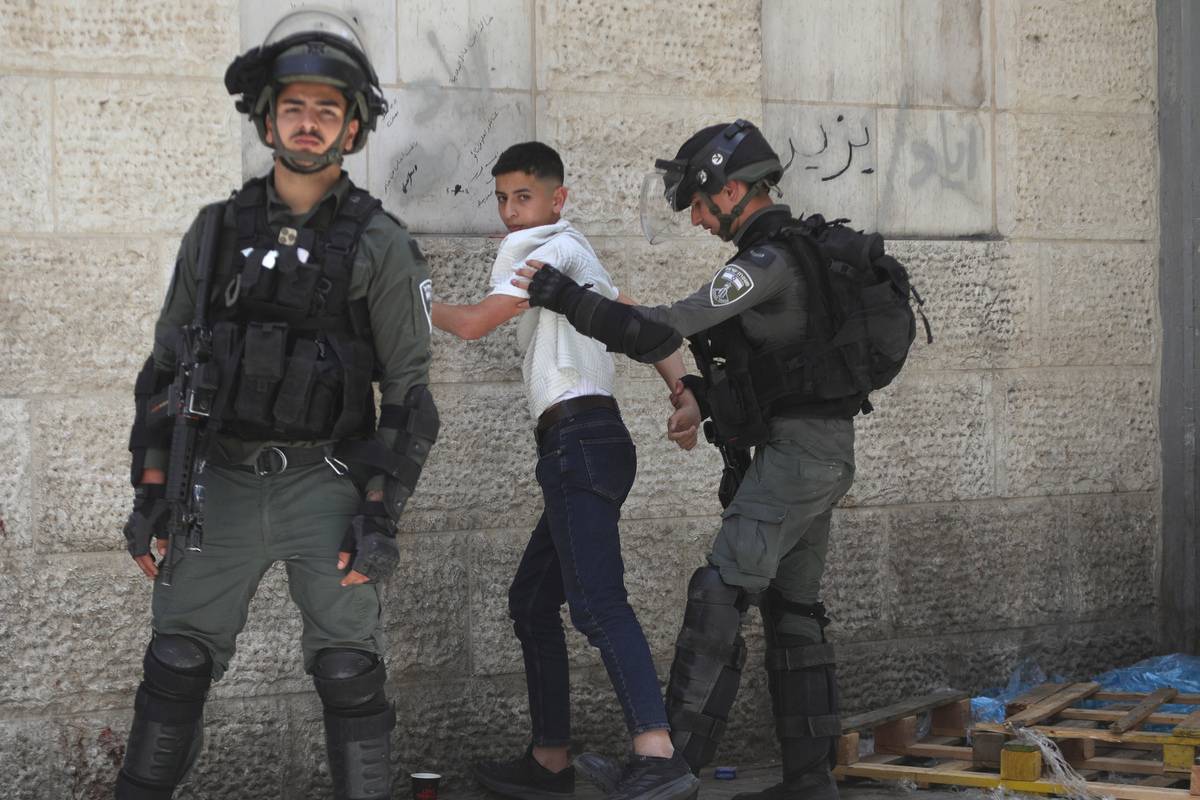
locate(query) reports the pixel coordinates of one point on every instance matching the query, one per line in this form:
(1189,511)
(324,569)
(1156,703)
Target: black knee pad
(707,669)
(358,722)
(168,718)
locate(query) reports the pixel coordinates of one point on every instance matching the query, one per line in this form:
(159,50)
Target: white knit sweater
(559,361)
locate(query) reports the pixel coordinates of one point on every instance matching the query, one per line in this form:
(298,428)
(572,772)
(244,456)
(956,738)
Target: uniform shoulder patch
(730,284)
(426,289)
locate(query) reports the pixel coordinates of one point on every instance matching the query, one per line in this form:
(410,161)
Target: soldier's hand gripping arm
(620,328)
(398,297)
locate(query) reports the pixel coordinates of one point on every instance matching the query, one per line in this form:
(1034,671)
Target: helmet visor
(660,221)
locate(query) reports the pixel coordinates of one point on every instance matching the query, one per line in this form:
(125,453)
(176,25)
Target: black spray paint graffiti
(460,62)
(956,158)
(851,146)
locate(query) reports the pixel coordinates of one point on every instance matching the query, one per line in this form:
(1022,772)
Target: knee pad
(358,721)
(707,669)
(166,734)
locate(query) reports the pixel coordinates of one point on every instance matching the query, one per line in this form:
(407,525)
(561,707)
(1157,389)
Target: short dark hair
(533,158)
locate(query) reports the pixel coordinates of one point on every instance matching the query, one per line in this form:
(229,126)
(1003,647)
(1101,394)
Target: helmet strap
(725,231)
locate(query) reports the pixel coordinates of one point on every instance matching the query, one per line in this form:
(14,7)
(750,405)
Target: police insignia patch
(427,301)
(729,285)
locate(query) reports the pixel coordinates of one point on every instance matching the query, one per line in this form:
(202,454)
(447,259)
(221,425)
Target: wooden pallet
(1094,741)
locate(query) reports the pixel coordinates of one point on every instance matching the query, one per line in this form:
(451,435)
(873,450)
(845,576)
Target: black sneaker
(650,778)
(524,778)
(599,769)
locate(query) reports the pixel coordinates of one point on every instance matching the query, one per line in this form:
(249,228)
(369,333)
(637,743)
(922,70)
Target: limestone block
(182,135)
(1113,561)
(49,758)
(16,468)
(466,43)
(268,658)
(460,268)
(1072,55)
(935,173)
(376,23)
(79,316)
(82,472)
(836,170)
(258,159)
(193,37)
(840,51)
(671,482)
(929,439)
(25,117)
(945,53)
(494,558)
(1092,176)
(858,587)
(644,48)
(663,273)
(430,158)
(86,614)
(425,613)
(981,303)
(480,473)
(979,566)
(1077,431)
(245,744)
(609,143)
(1099,301)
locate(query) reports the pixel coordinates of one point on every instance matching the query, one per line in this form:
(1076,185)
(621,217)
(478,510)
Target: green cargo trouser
(298,517)
(776,530)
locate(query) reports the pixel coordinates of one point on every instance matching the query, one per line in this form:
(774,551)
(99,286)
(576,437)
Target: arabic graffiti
(836,148)
(954,161)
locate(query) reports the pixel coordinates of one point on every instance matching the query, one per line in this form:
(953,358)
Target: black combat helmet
(314,46)
(705,163)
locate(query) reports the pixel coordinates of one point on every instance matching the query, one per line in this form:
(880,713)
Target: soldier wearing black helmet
(770,550)
(312,292)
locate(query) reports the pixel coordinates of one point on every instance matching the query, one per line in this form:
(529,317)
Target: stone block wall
(1006,503)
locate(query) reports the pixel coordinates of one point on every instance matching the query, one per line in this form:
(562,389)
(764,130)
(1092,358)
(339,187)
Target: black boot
(358,722)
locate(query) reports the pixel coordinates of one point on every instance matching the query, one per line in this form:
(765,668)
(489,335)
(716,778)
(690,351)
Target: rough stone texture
(461,268)
(25,108)
(1076,176)
(1098,299)
(643,48)
(82,472)
(48,345)
(831,51)
(935,173)
(431,156)
(858,586)
(1114,564)
(425,613)
(946,53)
(610,142)
(981,303)
(245,747)
(87,615)
(1076,431)
(480,473)
(16,473)
(929,439)
(194,37)
(836,171)
(75,757)
(1059,55)
(376,23)
(466,43)
(182,135)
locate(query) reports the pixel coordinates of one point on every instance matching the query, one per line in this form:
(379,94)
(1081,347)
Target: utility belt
(274,459)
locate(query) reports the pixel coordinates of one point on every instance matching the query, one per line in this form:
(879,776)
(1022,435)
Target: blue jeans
(586,467)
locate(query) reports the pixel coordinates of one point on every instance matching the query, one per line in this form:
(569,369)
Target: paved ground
(751,779)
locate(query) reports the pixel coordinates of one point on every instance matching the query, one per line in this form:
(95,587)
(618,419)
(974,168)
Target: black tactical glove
(371,542)
(148,518)
(551,289)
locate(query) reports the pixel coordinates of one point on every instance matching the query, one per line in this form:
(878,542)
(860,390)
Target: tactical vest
(860,325)
(295,354)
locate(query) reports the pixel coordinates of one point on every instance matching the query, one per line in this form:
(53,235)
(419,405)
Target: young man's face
(310,117)
(724,200)
(525,201)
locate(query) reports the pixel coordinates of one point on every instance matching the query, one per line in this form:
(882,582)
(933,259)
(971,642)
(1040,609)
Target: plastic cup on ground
(425,785)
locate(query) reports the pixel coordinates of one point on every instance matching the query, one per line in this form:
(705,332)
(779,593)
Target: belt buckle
(262,468)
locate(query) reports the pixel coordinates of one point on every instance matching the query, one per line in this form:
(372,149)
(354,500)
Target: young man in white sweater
(585,468)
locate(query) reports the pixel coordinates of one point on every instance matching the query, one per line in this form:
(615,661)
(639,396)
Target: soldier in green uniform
(770,550)
(313,292)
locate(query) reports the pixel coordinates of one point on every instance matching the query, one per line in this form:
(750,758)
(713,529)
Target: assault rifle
(736,459)
(188,403)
